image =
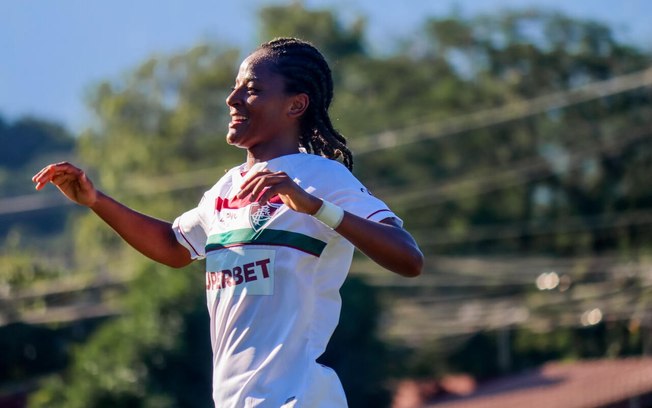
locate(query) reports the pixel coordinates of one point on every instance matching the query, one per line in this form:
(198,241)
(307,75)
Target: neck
(255,155)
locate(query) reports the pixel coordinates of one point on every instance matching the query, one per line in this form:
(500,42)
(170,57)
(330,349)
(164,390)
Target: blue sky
(53,51)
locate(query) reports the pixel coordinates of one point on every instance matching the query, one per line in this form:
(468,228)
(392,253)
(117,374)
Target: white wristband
(330,214)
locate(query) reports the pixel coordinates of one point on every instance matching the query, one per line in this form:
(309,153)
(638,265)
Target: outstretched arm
(152,237)
(387,244)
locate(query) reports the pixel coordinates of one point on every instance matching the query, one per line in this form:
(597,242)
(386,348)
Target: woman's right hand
(70,180)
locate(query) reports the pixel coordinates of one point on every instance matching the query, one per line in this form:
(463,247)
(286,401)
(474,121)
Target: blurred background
(513,137)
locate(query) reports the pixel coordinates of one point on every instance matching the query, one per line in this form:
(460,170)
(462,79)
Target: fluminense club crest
(259,215)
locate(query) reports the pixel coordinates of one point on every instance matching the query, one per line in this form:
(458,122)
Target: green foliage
(478,354)
(355,348)
(157,355)
(26,351)
(29,138)
(556,181)
(25,145)
(167,116)
(321,27)
(154,128)
(19,270)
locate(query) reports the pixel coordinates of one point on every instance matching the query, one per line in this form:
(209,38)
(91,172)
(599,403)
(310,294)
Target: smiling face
(264,118)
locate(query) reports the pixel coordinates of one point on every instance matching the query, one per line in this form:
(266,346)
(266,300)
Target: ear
(298,105)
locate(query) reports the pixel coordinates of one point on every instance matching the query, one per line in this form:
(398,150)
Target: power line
(533,168)
(446,273)
(506,113)
(527,170)
(31,202)
(561,226)
(385,140)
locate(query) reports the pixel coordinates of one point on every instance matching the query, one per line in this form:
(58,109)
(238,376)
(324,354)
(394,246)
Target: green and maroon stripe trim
(248,236)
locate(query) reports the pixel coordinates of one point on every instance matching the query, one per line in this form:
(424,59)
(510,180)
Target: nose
(233,98)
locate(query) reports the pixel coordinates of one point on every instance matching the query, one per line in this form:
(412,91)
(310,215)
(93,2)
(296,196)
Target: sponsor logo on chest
(240,270)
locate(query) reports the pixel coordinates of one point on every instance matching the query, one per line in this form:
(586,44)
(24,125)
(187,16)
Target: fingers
(266,195)
(46,169)
(55,173)
(63,178)
(251,183)
(262,185)
(254,187)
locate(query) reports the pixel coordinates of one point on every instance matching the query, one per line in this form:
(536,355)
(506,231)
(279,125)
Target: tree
(321,27)
(469,178)
(167,117)
(164,119)
(156,356)
(29,138)
(24,145)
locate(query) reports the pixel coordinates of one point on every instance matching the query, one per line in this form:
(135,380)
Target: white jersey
(272,284)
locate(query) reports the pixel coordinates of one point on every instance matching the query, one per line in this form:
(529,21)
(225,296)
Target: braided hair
(305,70)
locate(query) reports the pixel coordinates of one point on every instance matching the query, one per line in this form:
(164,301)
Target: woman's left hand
(385,242)
(265,184)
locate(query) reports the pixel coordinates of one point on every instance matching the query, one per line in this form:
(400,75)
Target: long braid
(306,71)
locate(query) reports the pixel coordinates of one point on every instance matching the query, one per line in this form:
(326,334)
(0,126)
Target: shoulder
(325,175)
(331,169)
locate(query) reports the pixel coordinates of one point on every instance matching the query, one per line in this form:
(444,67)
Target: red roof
(587,384)
(584,384)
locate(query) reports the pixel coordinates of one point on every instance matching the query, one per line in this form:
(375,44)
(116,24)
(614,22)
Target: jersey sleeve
(356,199)
(190,232)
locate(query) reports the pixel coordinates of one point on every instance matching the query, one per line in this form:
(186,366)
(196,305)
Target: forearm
(152,237)
(389,246)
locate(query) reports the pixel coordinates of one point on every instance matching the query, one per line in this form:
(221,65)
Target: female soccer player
(277,232)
